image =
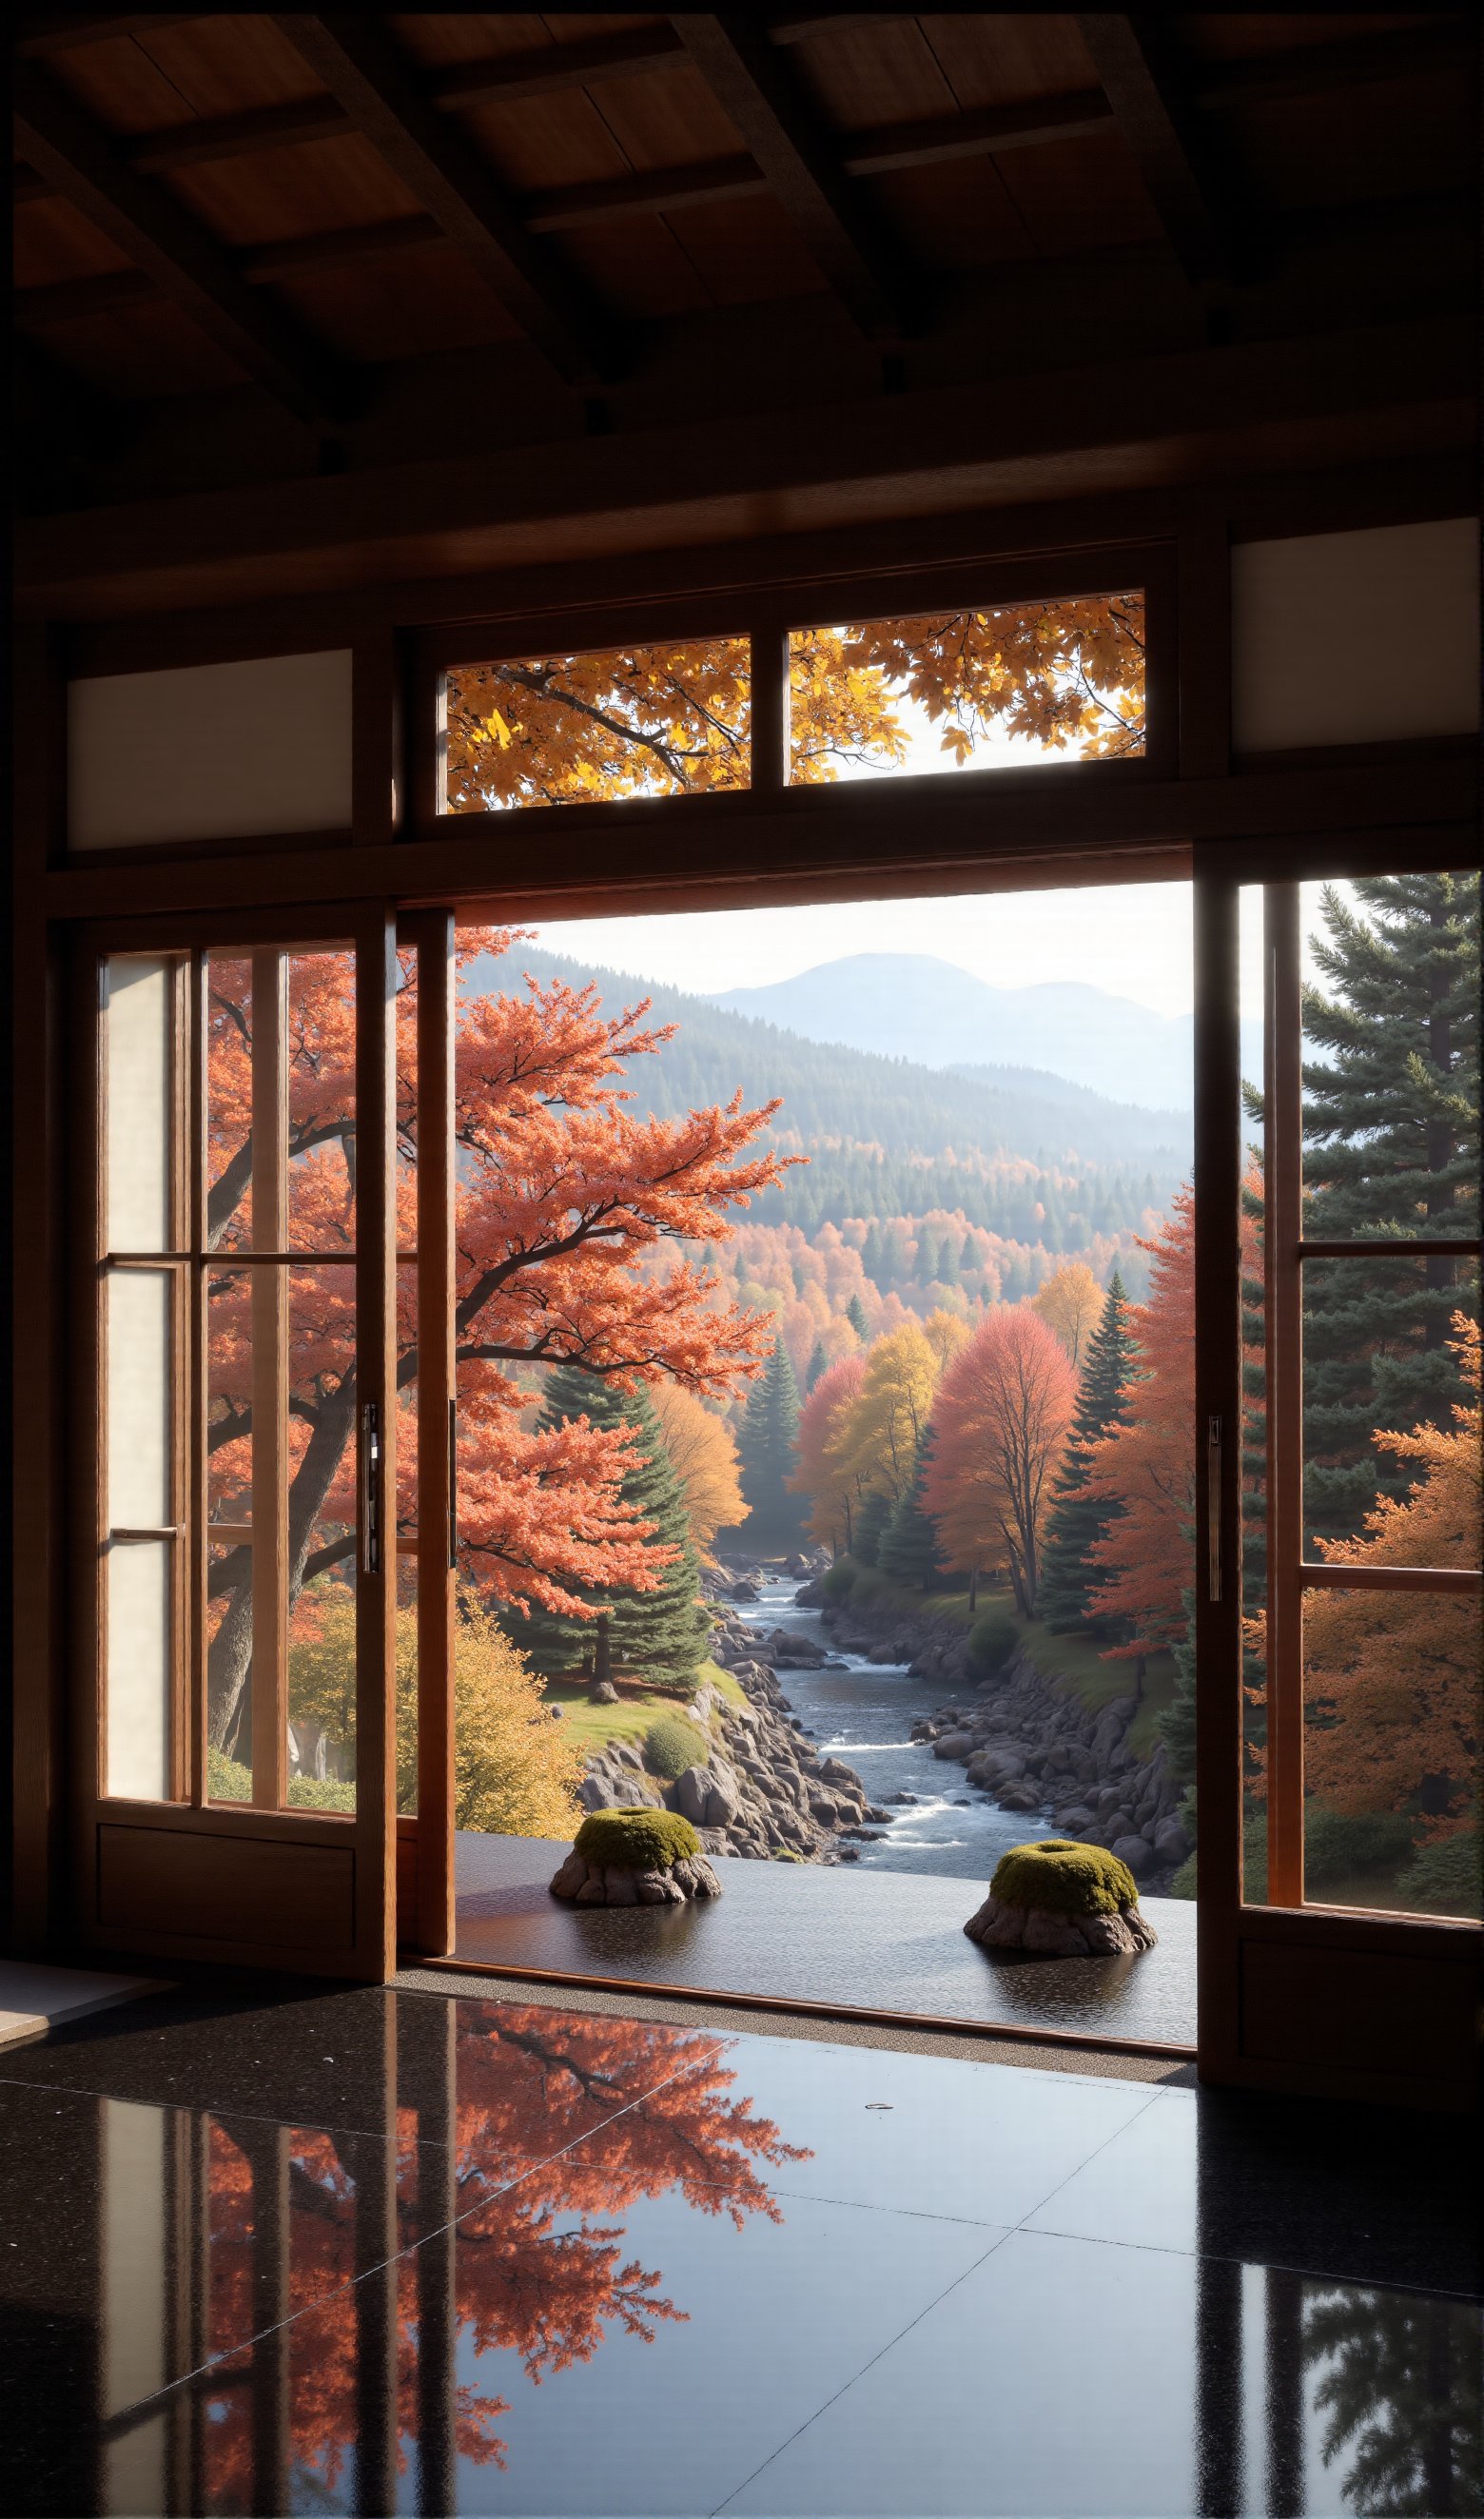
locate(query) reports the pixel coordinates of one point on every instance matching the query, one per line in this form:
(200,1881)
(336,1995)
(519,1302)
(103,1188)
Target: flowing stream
(865,1714)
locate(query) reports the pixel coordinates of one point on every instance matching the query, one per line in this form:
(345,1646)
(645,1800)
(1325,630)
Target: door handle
(452,1482)
(1213,1507)
(370,1489)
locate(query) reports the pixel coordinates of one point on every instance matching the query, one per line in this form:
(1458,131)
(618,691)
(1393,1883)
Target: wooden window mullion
(1282,1226)
(270,1378)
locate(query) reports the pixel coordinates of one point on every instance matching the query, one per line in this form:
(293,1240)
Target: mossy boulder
(635,1840)
(1058,1899)
(635,1858)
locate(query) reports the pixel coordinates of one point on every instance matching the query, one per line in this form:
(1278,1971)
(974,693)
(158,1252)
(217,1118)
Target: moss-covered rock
(635,1840)
(1062,1878)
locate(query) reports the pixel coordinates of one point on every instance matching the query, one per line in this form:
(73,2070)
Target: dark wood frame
(1191,807)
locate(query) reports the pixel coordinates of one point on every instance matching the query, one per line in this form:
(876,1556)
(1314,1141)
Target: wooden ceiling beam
(799,160)
(441,166)
(1129,58)
(70,28)
(182,260)
(1317,69)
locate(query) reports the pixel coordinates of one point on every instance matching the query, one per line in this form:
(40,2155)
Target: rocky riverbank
(764,1791)
(1032,1746)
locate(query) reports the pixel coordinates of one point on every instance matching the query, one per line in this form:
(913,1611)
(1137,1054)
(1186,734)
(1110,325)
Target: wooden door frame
(143,1837)
(1268,1965)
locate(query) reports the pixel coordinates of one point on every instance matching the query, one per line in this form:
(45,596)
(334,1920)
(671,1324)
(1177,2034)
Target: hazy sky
(1133,939)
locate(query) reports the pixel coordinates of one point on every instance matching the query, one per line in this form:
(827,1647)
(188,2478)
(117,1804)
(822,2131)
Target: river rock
(594,1884)
(1171,1844)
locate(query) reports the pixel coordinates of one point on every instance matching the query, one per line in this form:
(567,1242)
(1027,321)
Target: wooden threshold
(934,2023)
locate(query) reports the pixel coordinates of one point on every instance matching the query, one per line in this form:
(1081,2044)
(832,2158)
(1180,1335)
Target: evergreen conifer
(765,1449)
(1076,1520)
(908,1553)
(661,1633)
(855,1312)
(817,1363)
(1391,1149)
(871,1523)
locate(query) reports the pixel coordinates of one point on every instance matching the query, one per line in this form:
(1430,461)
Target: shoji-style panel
(206,752)
(1358,638)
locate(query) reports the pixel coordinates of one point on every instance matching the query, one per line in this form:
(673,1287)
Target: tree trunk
(972,1591)
(229,1658)
(602,1659)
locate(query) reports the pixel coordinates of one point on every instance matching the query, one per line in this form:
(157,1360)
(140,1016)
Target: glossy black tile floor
(386,2251)
(885,1941)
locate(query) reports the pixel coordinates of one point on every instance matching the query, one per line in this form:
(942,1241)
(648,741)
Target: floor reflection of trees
(556,2126)
(1402,2385)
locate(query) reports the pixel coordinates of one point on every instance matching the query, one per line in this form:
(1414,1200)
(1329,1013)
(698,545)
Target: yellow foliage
(877,1447)
(1071,1302)
(704,1457)
(515,1770)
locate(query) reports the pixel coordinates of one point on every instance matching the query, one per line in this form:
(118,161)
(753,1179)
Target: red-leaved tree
(1000,1421)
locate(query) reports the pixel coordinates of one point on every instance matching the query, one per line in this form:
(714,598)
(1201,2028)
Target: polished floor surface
(883,1941)
(375,2251)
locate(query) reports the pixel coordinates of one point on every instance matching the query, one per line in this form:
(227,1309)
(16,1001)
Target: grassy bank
(592,1726)
(1074,1662)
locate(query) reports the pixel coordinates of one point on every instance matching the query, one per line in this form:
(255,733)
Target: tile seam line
(870,2364)
(1266,2264)
(1088,2157)
(246,2343)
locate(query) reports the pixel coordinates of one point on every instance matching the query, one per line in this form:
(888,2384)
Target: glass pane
(1254,1423)
(140,1306)
(407,1541)
(1390,1411)
(281,1067)
(1391,1064)
(139,1605)
(282,1462)
(1391,1750)
(138,1030)
(1001,688)
(670,719)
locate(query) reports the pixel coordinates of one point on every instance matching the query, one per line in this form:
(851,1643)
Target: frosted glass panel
(140,1672)
(139,1399)
(137,1032)
(1308,666)
(203,752)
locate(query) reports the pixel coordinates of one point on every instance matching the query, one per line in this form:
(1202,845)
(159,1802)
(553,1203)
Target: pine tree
(870,1526)
(926,1259)
(1391,1131)
(817,1363)
(855,1312)
(870,1254)
(663,1633)
(1076,1519)
(766,1448)
(909,1553)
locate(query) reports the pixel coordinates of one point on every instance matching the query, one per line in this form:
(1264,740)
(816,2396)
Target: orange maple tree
(1391,1679)
(539,2271)
(825,1468)
(1148,1465)
(1000,1421)
(565,1204)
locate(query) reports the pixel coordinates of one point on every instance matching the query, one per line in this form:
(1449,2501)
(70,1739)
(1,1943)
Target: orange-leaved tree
(1148,1464)
(825,1472)
(1391,1679)
(1000,1422)
(703,1454)
(565,1202)
(674,716)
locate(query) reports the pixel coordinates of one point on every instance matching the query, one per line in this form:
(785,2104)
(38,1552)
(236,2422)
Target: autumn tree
(704,1457)
(825,1471)
(887,1422)
(573,1222)
(1145,1464)
(1000,1422)
(675,717)
(1071,1303)
(1077,1518)
(1391,1679)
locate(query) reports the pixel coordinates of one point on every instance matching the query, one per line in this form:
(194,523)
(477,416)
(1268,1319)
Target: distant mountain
(929,1011)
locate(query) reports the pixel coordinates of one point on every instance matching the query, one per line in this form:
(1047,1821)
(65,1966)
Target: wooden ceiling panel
(957,216)
(441,39)
(746,250)
(412,302)
(871,74)
(636,266)
(308,191)
(1235,35)
(545,140)
(671,120)
(153,351)
(1009,60)
(1075,196)
(204,66)
(54,241)
(1377,142)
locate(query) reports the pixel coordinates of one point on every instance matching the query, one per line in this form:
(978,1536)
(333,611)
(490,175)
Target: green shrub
(1444,1876)
(672,1745)
(1339,1842)
(228,1781)
(839,1583)
(992,1639)
(1064,1879)
(635,1840)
